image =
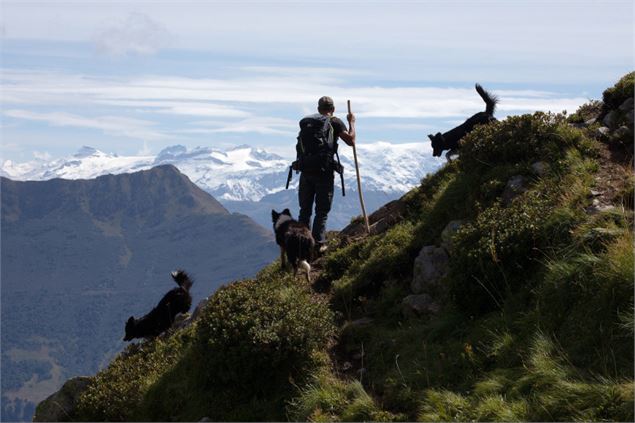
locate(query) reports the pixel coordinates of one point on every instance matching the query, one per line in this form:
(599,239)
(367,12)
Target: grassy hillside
(532,321)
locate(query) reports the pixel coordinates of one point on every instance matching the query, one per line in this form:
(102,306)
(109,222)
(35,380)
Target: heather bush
(259,334)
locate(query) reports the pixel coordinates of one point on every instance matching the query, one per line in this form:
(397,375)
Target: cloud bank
(137,34)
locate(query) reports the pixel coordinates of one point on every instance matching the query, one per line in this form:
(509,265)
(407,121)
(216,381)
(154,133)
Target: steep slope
(500,289)
(80,256)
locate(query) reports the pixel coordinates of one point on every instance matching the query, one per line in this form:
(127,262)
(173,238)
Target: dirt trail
(611,180)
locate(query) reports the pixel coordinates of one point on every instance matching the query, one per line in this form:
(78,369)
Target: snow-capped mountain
(242,173)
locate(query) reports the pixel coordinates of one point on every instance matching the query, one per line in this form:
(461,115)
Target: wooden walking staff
(359,181)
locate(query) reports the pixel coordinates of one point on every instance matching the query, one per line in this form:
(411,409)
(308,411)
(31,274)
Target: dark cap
(325,102)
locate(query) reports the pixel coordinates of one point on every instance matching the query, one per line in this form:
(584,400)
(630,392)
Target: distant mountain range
(80,256)
(251,180)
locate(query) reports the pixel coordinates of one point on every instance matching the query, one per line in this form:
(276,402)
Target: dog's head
(437,144)
(130,329)
(275,215)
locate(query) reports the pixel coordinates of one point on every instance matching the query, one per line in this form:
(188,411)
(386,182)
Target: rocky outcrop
(379,221)
(61,406)
(618,125)
(430,268)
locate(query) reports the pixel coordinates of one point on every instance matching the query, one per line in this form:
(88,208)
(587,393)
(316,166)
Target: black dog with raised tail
(450,140)
(160,318)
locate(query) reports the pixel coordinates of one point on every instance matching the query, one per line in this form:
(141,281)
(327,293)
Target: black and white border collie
(295,241)
(450,140)
(160,318)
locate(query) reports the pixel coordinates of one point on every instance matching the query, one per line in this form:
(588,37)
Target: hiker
(316,148)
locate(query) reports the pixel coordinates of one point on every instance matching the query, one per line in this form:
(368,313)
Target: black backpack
(316,145)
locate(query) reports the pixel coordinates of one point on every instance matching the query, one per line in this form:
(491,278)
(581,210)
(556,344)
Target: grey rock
(381,226)
(610,119)
(515,186)
(448,234)
(597,208)
(379,221)
(595,193)
(181,320)
(430,267)
(200,306)
(419,305)
(590,121)
(602,132)
(622,132)
(540,168)
(629,117)
(627,105)
(61,406)
(205,419)
(602,208)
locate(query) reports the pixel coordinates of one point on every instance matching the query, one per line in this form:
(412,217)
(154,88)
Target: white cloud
(258,125)
(188,108)
(137,34)
(44,156)
(245,96)
(115,125)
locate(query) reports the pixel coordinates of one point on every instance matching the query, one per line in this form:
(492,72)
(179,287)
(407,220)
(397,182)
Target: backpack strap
(330,132)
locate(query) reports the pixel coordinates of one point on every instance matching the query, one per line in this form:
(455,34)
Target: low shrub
(117,392)
(494,254)
(614,96)
(519,140)
(255,336)
(377,260)
(587,111)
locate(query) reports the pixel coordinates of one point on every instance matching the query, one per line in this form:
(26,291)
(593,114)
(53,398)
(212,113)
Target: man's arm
(349,136)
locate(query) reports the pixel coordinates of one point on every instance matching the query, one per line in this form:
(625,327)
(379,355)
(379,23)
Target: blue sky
(134,77)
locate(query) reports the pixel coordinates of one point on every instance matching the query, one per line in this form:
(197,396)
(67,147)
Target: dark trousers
(316,187)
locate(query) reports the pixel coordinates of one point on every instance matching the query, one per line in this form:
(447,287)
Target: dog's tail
(182,279)
(300,246)
(304,265)
(490,100)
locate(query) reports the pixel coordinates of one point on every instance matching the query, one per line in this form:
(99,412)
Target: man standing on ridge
(316,148)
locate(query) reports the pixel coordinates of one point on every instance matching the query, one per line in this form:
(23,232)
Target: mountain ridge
(80,256)
(242,173)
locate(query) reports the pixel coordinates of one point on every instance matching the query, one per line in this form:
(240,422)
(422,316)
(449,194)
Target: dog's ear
(431,137)
(274,215)
(287,212)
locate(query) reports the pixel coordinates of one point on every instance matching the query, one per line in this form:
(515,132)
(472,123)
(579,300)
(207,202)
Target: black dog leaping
(160,318)
(450,140)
